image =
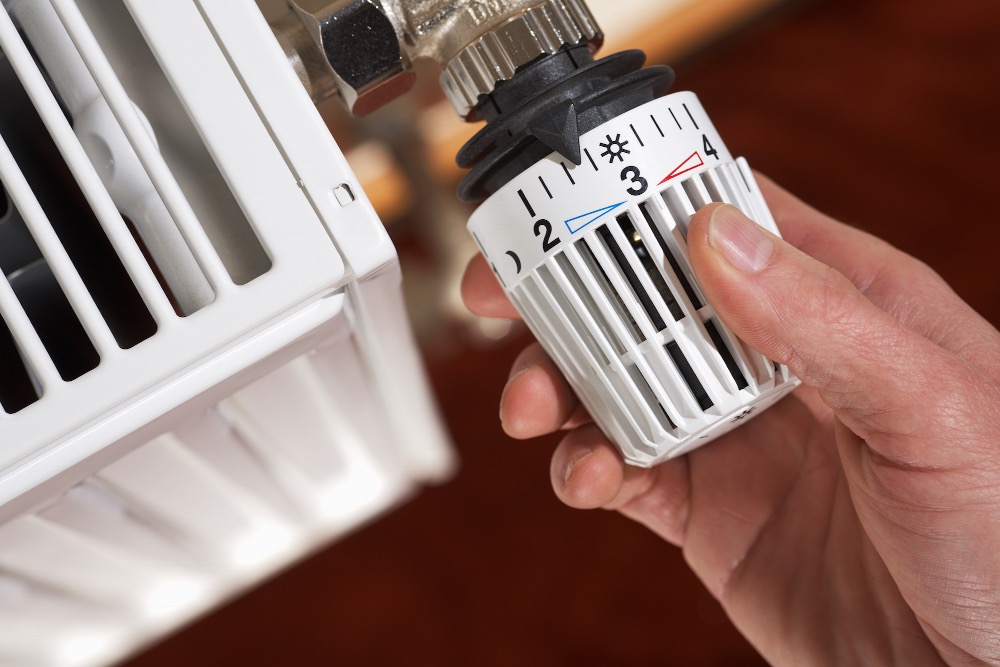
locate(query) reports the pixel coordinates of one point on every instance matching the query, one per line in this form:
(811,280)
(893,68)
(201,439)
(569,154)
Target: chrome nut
(360,48)
(495,54)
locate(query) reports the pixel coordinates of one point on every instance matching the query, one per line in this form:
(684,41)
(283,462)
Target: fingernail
(515,372)
(573,463)
(739,239)
(519,366)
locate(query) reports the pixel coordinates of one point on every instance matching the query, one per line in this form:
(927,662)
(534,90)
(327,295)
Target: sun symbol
(615,148)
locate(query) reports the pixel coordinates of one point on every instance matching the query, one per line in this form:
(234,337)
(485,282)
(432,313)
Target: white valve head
(594,257)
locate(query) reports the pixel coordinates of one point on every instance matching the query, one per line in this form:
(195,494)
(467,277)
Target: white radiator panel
(241,385)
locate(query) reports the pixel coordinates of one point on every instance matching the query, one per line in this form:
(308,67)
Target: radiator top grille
(136,239)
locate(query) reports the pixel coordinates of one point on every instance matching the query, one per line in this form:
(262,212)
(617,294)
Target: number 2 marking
(543,228)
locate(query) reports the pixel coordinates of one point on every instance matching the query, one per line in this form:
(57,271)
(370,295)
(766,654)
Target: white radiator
(206,370)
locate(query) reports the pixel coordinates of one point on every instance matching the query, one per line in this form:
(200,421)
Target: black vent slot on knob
(638,291)
(608,288)
(690,377)
(727,356)
(646,391)
(638,246)
(671,260)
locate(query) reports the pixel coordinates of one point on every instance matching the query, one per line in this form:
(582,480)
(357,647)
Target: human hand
(858,520)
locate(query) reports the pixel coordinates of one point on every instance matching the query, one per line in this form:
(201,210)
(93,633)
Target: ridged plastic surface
(595,259)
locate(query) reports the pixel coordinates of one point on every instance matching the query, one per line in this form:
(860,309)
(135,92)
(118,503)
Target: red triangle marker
(693,161)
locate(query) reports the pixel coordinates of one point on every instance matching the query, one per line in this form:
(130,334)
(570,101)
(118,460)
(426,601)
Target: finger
(537,399)
(588,473)
(893,280)
(878,375)
(482,293)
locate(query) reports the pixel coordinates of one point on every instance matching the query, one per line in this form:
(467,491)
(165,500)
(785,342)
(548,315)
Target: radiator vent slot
(17,391)
(114,216)
(63,207)
(191,163)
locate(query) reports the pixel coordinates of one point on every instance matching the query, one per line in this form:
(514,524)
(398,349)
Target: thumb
(868,367)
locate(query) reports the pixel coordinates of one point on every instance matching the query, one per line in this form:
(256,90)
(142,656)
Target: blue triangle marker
(594,216)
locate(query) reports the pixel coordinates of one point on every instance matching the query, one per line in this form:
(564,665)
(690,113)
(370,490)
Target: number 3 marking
(633,175)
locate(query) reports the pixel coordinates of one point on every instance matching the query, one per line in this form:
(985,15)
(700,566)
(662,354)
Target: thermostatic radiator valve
(590,177)
(589,173)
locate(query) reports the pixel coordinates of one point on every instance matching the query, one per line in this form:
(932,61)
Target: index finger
(482,293)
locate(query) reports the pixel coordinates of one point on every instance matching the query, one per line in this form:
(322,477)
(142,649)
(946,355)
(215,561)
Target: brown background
(881,112)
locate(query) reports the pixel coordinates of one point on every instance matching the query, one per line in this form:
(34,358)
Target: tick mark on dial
(691,117)
(568,175)
(638,138)
(527,204)
(653,118)
(547,191)
(675,119)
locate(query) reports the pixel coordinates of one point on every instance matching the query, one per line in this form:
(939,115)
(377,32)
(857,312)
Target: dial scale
(594,258)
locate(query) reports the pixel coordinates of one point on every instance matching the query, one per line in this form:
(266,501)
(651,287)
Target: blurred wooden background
(881,112)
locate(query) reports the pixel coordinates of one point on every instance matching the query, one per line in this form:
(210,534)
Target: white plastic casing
(594,258)
(280,400)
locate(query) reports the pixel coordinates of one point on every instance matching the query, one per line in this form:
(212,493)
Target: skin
(858,520)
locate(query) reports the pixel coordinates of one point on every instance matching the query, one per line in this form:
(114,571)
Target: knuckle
(660,498)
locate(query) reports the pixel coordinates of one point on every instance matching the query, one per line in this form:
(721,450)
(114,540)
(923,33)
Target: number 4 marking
(709,150)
